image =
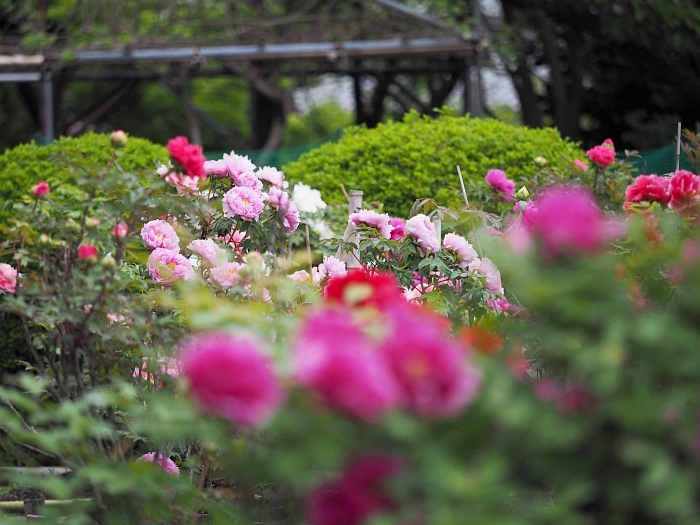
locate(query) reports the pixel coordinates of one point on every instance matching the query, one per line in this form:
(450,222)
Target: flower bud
(118,139)
(87,252)
(59,243)
(522,193)
(72,225)
(41,190)
(541,161)
(120,231)
(44,239)
(92,222)
(108,261)
(162,170)
(608,143)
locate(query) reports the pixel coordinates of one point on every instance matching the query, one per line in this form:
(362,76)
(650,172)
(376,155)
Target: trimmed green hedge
(399,162)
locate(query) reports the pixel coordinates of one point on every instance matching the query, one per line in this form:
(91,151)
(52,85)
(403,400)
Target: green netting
(659,160)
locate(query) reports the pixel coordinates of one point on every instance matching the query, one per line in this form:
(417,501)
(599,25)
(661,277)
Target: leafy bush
(399,162)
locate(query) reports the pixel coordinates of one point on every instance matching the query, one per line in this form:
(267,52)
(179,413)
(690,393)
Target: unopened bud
(59,243)
(162,170)
(541,161)
(41,190)
(44,239)
(118,139)
(608,143)
(522,193)
(72,225)
(108,261)
(92,222)
(120,231)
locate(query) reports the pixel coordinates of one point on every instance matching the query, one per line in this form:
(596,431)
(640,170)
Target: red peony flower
(361,287)
(648,188)
(189,156)
(87,252)
(684,191)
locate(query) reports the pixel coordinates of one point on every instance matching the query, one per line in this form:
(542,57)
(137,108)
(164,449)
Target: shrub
(399,162)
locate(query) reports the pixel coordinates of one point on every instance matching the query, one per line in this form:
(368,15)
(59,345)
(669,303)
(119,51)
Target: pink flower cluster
(498,180)
(414,364)
(602,155)
(356,495)
(165,263)
(680,192)
(8,278)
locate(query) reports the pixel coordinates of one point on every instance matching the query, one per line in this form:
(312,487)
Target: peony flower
(8,278)
(493,277)
(291,218)
(461,246)
(684,190)
(278,198)
(226,274)
(169,266)
(430,366)
(608,143)
(363,288)
(243,202)
(601,155)
(307,199)
(208,251)
(498,180)
(422,230)
(332,356)
(231,376)
(381,221)
(248,180)
(41,189)
(399,228)
(271,175)
(330,267)
(580,165)
(216,168)
(120,231)
(649,188)
(160,234)
(167,464)
(87,252)
(300,276)
(237,165)
(183,183)
(189,156)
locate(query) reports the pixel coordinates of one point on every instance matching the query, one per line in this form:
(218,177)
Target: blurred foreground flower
(167,464)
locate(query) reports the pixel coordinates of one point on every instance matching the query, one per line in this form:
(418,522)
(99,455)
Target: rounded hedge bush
(398,162)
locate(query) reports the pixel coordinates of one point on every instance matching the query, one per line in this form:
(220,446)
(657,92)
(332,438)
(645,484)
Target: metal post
(48,116)
(354,205)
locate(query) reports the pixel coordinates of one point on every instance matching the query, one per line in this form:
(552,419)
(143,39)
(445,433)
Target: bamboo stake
(461,182)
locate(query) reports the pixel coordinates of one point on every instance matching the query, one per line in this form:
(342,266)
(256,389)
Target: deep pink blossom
(422,230)
(167,464)
(87,252)
(226,274)
(41,189)
(684,190)
(189,156)
(8,278)
(231,376)
(120,231)
(160,234)
(363,288)
(462,247)
(431,367)
(498,180)
(208,251)
(399,228)
(601,155)
(271,175)
(334,357)
(381,221)
(169,266)
(649,188)
(243,202)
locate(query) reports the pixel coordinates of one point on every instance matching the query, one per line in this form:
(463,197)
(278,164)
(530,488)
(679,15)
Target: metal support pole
(354,205)
(48,116)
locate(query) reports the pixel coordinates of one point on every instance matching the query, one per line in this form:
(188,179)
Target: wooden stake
(461,182)
(347,197)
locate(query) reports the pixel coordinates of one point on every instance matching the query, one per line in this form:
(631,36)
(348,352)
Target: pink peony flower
(399,228)
(330,267)
(120,231)
(649,188)
(684,190)
(430,366)
(581,164)
(216,168)
(169,266)
(493,277)
(167,464)
(271,175)
(332,356)
(208,251)
(226,274)
(530,214)
(183,183)
(41,189)
(231,376)
(461,246)
(291,218)
(381,221)
(498,180)
(601,155)
(160,234)
(243,202)
(8,278)
(422,230)
(189,156)
(608,143)
(87,252)
(300,276)
(237,165)
(278,198)
(248,180)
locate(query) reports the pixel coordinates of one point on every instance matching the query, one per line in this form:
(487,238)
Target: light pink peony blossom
(160,234)
(120,231)
(8,278)
(226,274)
(422,230)
(236,165)
(300,276)
(493,277)
(278,198)
(291,218)
(167,464)
(169,266)
(583,166)
(332,356)
(183,183)
(498,180)
(216,168)
(243,202)
(208,251)
(381,221)
(329,268)
(248,180)
(462,247)
(271,175)
(232,376)
(601,155)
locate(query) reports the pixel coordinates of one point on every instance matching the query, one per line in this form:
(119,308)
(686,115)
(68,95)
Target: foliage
(399,162)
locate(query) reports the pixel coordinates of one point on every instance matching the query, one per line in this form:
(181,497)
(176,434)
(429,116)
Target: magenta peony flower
(684,190)
(231,376)
(189,156)
(208,251)
(461,247)
(169,266)
(120,231)
(430,366)
(422,230)
(226,274)
(291,218)
(601,155)
(381,221)
(399,227)
(41,189)
(167,464)
(87,252)
(243,202)
(649,188)
(332,356)
(271,175)
(493,277)
(498,180)
(8,278)
(160,234)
